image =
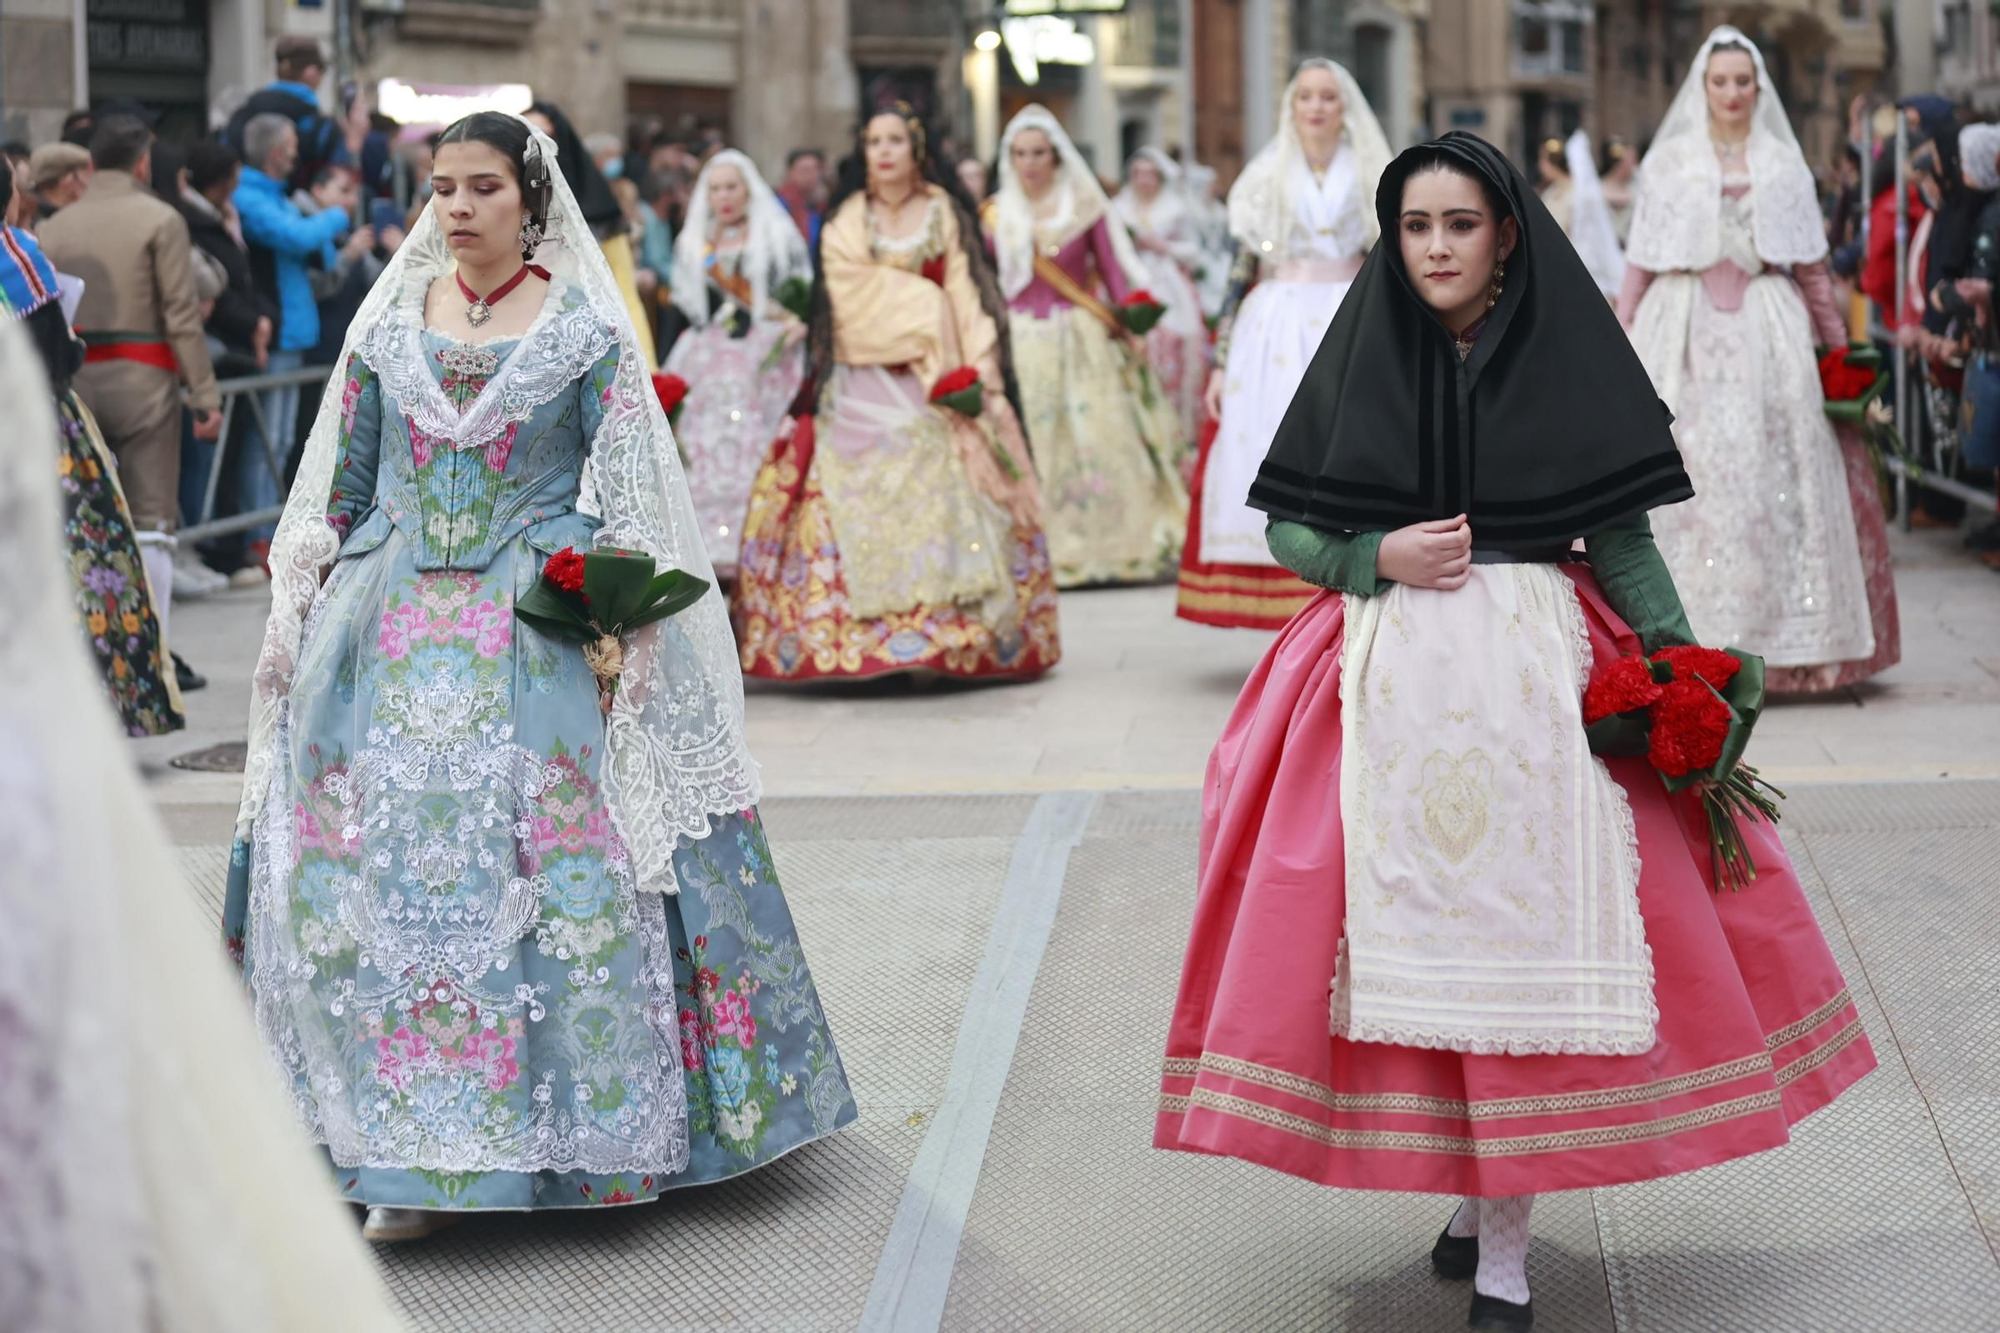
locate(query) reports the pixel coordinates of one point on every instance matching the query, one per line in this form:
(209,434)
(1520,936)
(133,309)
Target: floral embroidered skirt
(1756,1026)
(1232,596)
(1108,448)
(737,398)
(795,618)
(442,939)
(1871,529)
(113,600)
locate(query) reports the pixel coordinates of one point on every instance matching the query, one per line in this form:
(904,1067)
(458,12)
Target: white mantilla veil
(772,251)
(674,743)
(1260,203)
(1677,209)
(1591,229)
(1080,202)
(155,1176)
(1168,207)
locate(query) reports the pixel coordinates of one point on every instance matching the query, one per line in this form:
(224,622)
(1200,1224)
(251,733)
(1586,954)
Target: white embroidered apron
(1492,867)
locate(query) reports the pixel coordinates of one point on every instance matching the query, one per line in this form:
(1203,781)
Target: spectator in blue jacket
(282,241)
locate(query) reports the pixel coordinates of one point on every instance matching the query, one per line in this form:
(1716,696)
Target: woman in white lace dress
(152,1179)
(1302,216)
(741,356)
(1165,232)
(1782,550)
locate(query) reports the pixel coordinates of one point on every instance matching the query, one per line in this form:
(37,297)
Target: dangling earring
(531,237)
(1494,288)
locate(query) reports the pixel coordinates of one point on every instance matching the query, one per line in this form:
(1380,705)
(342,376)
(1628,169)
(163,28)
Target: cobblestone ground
(994,888)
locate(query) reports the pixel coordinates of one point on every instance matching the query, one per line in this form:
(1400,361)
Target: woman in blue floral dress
(514,950)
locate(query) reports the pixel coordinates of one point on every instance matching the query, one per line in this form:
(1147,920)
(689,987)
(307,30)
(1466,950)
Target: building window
(1854,11)
(1956,38)
(1551,38)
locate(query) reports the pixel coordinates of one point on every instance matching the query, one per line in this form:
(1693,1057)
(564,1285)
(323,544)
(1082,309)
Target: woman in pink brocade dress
(1783,551)
(1107,441)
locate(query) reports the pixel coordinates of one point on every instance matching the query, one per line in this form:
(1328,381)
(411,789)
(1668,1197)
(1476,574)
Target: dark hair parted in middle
(510,137)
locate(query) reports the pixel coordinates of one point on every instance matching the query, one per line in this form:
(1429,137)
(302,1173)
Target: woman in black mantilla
(1499,969)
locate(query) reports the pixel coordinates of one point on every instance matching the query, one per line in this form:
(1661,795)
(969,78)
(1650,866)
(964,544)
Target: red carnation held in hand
(1619,688)
(1841,382)
(1690,725)
(1713,665)
(1142,297)
(956,381)
(565,570)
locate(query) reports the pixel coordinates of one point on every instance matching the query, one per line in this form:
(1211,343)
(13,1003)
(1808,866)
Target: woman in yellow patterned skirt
(888,532)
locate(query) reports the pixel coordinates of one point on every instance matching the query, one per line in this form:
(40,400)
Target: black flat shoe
(1455,1257)
(1490,1314)
(187,677)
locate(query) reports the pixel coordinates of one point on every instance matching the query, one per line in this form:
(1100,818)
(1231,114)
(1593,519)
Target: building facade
(1968,50)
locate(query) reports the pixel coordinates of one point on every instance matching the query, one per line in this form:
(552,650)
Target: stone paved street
(994,886)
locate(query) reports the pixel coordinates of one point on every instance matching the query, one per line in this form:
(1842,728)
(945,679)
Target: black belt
(1536,555)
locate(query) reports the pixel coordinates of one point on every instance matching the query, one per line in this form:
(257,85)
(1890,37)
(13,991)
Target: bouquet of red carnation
(1850,377)
(673,391)
(961,391)
(1140,311)
(1689,710)
(596,599)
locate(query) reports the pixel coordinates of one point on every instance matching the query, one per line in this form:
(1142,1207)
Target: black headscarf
(593,193)
(1548,431)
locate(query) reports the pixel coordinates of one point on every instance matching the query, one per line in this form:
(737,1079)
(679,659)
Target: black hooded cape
(1548,431)
(593,193)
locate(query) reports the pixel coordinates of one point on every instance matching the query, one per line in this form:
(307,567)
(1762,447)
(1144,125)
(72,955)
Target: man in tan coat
(142,320)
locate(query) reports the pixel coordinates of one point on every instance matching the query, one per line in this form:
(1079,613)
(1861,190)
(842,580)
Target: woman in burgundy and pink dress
(1107,441)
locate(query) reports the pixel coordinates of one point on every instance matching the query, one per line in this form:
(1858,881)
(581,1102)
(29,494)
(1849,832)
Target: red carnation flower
(1690,725)
(671,389)
(565,570)
(1619,688)
(1142,297)
(1841,382)
(955,381)
(1710,664)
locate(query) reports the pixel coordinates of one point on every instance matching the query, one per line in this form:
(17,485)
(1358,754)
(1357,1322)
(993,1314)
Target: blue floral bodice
(459,502)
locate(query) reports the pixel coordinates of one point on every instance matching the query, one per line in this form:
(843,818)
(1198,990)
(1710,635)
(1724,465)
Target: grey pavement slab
(1881,1215)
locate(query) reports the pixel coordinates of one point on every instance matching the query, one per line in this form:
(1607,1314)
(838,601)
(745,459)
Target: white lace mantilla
(1492,864)
(1262,210)
(675,750)
(1677,206)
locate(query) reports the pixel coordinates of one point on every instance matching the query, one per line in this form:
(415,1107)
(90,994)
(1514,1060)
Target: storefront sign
(163,36)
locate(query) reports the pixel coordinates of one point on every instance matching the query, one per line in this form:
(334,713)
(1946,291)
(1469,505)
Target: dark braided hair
(853,181)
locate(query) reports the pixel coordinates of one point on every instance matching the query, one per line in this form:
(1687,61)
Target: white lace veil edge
(1081,202)
(1260,203)
(674,745)
(1677,204)
(1591,229)
(171,1187)
(773,250)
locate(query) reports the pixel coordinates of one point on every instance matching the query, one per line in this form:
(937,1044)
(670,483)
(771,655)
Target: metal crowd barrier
(1908,385)
(246,390)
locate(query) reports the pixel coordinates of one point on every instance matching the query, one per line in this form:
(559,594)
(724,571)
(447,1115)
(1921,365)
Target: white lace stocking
(1464,1222)
(1503,1247)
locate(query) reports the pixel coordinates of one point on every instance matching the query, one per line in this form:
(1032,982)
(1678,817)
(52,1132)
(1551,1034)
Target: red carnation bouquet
(1850,375)
(1140,311)
(673,391)
(1689,710)
(596,599)
(961,391)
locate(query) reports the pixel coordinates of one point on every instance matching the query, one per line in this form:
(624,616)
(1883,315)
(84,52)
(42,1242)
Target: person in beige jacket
(141,316)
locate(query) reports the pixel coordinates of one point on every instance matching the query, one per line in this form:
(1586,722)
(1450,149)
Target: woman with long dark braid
(890,531)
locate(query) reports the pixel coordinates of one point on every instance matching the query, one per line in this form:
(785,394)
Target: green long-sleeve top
(1624,559)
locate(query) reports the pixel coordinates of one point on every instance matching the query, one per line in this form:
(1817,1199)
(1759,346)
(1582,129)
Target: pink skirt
(1756,1032)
